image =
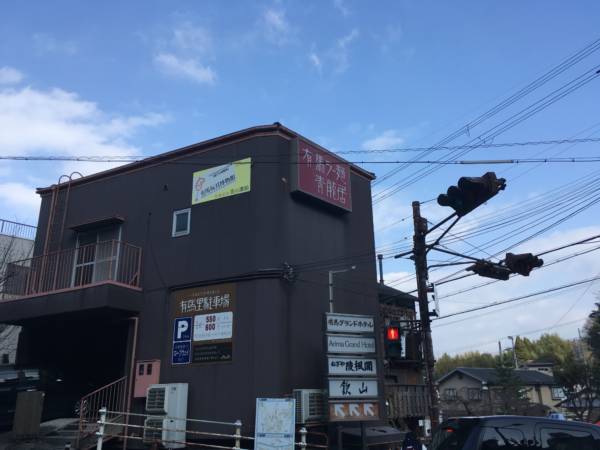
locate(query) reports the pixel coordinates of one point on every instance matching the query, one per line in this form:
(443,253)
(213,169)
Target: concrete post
(100,432)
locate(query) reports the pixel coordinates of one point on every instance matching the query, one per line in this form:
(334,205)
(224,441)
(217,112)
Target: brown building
(206,265)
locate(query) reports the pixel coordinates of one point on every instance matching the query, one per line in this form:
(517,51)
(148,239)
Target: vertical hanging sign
(321,174)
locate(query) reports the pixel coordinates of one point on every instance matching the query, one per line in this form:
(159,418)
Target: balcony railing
(78,267)
(16,229)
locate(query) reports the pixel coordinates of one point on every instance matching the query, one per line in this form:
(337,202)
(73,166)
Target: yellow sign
(221,181)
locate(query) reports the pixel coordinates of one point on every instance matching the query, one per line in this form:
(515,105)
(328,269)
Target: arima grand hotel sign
(322,175)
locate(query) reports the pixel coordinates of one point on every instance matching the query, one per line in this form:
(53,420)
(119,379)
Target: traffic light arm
(441,236)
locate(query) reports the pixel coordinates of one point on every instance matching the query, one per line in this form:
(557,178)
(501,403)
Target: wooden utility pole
(420,256)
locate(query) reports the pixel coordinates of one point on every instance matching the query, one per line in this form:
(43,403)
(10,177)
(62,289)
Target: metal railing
(78,267)
(16,229)
(179,435)
(112,396)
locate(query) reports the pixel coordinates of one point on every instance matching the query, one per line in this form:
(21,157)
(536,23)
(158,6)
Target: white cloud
(10,75)
(193,38)
(340,52)
(57,122)
(315,60)
(185,68)
(20,197)
(184,54)
(276,28)
(46,43)
(387,139)
(341,6)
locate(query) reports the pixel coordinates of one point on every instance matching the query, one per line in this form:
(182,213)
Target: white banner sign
(352,387)
(350,344)
(275,426)
(349,323)
(351,366)
(211,327)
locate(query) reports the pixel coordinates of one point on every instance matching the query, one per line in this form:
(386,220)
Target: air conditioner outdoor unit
(168,404)
(169,432)
(168,399)
(310,405)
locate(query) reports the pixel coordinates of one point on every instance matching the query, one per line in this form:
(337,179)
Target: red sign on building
(323,175)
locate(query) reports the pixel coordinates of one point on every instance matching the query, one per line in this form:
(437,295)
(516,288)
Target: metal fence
(16,229)
(180,433)
(112,396)
(73,268)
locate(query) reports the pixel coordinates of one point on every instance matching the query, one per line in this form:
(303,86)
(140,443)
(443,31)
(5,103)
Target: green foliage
(549,347)
(447,363)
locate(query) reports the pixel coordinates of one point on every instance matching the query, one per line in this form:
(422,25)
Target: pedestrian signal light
(393,334)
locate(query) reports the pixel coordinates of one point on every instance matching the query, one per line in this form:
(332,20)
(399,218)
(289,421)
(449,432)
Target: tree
(549,347)
(446,363)
(509,394)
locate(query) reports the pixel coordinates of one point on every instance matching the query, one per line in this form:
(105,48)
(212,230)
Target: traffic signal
(471,192)
(522,263)
(490,270)
(393,343)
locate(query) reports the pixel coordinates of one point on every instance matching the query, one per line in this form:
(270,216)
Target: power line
(514,299)
(521,93)
(520,333)
(573,159)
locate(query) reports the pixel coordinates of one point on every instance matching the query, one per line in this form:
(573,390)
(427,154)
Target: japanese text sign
(352,387)
(203,324)
(323,175)
(221,181)
(351,366)
(349,323)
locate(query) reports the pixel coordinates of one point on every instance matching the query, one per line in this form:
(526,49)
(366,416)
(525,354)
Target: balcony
(100,275)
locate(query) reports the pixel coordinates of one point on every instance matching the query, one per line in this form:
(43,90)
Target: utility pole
(380,260)
(420,256)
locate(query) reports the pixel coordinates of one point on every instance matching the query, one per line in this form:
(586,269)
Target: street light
(514,351)
(331,273)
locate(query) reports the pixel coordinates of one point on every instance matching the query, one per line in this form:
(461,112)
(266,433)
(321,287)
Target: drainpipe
(131,377)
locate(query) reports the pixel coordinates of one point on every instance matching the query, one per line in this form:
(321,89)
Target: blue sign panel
(182,330)
(181,353)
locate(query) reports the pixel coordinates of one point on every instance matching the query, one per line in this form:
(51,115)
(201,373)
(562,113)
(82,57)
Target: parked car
(515,433)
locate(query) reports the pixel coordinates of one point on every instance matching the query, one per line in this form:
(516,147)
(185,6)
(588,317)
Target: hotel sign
(339,343)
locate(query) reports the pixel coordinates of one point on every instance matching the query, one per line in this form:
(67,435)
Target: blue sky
(140,78)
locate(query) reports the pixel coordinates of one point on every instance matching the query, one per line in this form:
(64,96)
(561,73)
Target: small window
(181,222)
(558,393)
(5,359)
(474,394)
(450,394)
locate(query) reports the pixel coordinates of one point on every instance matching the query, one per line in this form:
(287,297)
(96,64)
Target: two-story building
(206,265)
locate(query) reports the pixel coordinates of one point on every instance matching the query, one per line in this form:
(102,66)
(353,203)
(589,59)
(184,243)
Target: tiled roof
(490,375)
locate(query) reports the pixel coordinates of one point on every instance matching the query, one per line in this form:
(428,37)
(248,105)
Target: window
(5,359)
(567,439)
(502,438)
(558,393)
(450,394)
(181,222)
(96,257)
(474,394)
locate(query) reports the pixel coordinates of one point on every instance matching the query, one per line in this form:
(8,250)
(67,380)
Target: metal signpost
(352,370)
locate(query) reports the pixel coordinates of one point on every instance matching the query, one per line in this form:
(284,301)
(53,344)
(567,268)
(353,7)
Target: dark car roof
(506,420)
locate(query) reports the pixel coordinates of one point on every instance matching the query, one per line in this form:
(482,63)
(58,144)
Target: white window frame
(189,219)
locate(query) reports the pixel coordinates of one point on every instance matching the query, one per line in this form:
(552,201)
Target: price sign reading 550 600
(210,327)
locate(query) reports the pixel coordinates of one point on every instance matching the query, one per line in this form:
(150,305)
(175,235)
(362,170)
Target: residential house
(16,243)
(475,391)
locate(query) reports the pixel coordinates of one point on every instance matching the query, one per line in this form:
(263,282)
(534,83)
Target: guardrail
(16,229)
(190,438)
(77,267)
(113,396)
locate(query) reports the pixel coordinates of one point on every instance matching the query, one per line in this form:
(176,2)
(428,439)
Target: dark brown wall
(278,326)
